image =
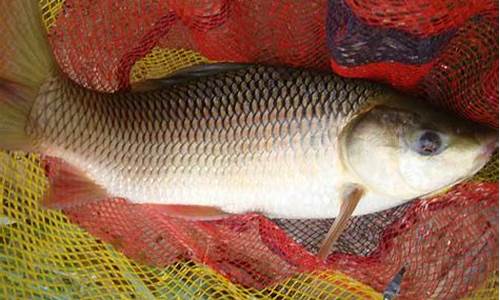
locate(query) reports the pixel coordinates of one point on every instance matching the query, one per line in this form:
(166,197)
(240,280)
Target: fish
(221,139)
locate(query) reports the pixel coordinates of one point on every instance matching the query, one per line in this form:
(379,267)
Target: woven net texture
(445,51)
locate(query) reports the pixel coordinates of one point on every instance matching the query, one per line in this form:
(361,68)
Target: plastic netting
(446,51)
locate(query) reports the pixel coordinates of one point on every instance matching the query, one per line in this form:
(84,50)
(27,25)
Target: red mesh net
(446,51)
(421,17)
(448,245)
(465,75)
(100,51)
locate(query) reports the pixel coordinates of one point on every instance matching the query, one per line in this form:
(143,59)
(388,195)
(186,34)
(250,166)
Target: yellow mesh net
(49,10)
(161,62)
(44,256)
(489,290)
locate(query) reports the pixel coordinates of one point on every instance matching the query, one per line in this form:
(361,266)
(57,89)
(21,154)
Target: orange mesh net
(448,245)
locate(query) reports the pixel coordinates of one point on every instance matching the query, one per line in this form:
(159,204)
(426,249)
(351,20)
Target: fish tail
(26,61)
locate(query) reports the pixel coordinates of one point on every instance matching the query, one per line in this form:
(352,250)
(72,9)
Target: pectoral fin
(69,186)
(350,197)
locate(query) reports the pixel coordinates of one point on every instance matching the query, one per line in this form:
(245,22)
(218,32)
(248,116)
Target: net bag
(445,51)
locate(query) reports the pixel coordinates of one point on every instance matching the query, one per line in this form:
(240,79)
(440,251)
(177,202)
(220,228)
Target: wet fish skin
(231,125)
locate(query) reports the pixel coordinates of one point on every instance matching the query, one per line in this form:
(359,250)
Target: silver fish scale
(209,125)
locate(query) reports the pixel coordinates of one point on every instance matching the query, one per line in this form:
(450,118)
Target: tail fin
(26,61)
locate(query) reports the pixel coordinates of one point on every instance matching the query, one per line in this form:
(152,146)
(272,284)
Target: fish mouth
(485,154)
(490,147)
(480,161)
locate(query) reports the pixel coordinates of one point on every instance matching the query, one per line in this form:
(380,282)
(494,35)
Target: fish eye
(428,143)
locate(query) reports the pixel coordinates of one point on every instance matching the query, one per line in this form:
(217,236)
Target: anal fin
(193,212)
(68,186)
(350,198)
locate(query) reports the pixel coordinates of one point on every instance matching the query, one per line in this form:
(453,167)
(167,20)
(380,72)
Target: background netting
(444,50)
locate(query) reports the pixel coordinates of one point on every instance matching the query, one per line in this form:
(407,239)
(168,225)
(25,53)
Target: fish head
(405,149)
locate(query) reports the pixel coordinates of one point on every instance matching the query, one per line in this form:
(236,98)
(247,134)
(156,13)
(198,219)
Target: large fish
(229,138)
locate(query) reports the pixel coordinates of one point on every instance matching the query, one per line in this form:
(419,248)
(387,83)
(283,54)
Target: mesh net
(443,50)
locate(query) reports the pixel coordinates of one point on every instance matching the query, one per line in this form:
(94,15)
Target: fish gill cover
(446,51)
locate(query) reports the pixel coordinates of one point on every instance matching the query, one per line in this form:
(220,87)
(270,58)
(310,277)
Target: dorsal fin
(189,73)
